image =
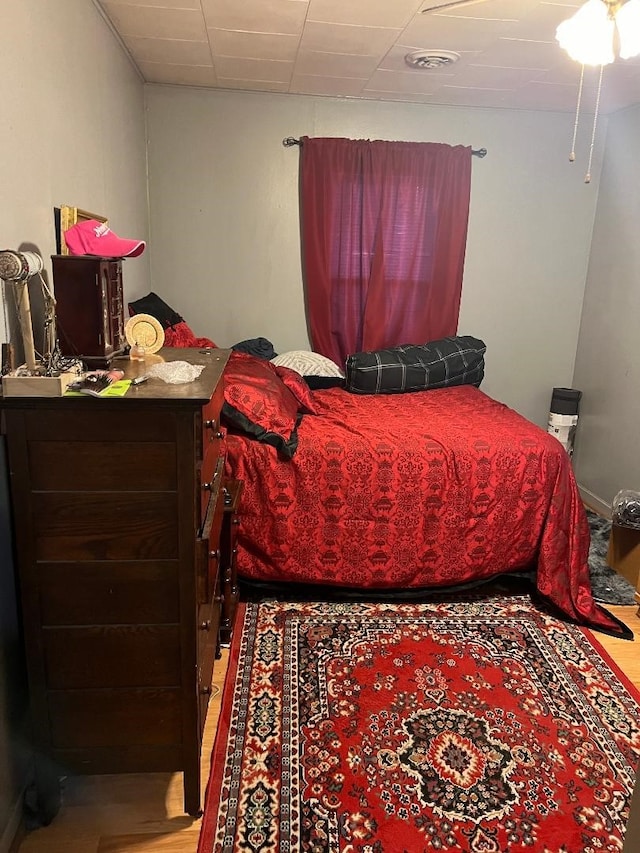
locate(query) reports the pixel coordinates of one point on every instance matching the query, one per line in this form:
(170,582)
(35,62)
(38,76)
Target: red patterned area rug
(479,725)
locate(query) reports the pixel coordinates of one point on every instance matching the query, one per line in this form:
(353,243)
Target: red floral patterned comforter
(427,489)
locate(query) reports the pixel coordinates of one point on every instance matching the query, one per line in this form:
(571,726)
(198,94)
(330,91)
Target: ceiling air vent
(431,58)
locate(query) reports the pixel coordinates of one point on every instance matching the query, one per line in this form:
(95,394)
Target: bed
(410,491)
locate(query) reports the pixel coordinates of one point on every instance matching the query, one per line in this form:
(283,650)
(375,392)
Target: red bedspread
(427,489)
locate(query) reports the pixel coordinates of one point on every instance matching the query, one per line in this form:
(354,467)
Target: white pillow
(308,363)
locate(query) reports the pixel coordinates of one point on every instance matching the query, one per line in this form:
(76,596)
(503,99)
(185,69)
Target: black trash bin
(563,416)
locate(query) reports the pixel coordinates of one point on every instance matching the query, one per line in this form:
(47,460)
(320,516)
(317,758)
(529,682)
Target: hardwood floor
(144,813)
(141,812)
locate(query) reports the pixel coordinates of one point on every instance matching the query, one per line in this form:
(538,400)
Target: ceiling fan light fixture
(589,36)
(628,24)
(429,60)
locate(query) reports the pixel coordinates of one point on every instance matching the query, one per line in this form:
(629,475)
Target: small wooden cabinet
(89,307)
(623,554)
(118,510)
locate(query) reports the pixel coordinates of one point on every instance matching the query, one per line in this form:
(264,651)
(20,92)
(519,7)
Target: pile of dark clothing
(260,347)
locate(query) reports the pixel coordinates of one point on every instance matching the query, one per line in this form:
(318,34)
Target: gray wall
(225,226)
(72,132)
(608,356)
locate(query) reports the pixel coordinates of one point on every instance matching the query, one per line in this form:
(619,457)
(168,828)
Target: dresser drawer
(205,673)
(208,547)
(85,657)
(83,720)
(206,628)
(109,592)
(232,490)
(210,426)
(210,479)
(208,647)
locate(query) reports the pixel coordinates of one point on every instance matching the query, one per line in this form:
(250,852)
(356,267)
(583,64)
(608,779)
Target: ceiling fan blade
(450,5)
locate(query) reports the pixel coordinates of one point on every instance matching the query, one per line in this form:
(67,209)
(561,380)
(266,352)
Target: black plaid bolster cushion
(455,360)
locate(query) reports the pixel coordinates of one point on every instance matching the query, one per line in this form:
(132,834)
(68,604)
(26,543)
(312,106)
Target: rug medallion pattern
(481,726)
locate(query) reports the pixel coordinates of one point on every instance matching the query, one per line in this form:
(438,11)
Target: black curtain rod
(291,140)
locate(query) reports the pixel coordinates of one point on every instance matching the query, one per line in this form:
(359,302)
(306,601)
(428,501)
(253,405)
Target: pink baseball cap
(91,237)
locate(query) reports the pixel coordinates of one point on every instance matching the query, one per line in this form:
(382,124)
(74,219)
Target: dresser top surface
(154,390)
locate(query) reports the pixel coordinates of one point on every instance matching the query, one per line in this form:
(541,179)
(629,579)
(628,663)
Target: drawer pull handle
(208,487)
(215,555)
(210,424)
(220,435)
(236,521)
(206,625)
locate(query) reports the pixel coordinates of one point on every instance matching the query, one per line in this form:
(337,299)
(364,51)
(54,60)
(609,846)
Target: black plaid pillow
(455,360)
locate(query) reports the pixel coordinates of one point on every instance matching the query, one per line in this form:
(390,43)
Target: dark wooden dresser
(117,508)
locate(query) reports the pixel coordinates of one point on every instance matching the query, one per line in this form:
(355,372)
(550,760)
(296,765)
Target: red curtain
(384,229)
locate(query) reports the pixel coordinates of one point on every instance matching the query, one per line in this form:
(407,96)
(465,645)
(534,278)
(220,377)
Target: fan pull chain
(572,155)
(587,177)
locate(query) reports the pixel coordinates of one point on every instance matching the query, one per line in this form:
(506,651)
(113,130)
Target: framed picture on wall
(66,217)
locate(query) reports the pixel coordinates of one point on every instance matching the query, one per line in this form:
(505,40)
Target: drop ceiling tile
(517,53)
(343,38)
(487,76)
(176,52)
(185,75)
(493,9)
(254,45)
(264,16)
(404,97)
(253,69)
(307,84)
(625,68)
(335,64)
(253,85)
(160,4)
(410,81)
(148,22)
(548,96)
(331,47)
(365,13)
(541,22)
(453,33)
(568,74)
(466,96)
